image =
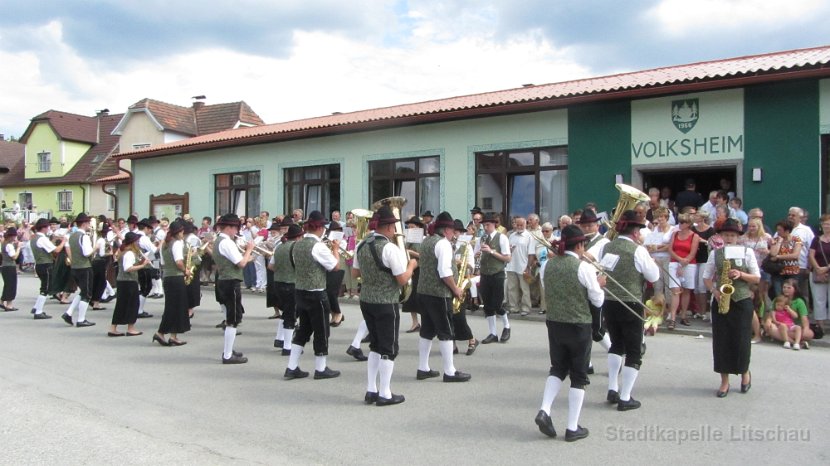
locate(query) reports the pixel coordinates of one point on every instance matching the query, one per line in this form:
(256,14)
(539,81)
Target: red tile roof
(12,158)
(199,120)
(792,64)
(68,126)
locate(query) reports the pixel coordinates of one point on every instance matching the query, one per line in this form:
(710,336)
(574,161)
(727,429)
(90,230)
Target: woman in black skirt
(194,288)
(11,251)
(334,283)
(126,306)
(732,330)
(175,319)
(61,284)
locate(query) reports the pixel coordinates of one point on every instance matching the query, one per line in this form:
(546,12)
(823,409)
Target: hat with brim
(571,235)
(143,223)
(294,231)
(315,220)
(275,226)
(458,225)
(335,226)
(82,218)
(445,220)
(588,216)
(175,227)
(132,219)
(153,219)
(428,213)
(10,232)
(385,216)
(129,239)
(732,225)
(286,221)
(490,218)
(414,220)
(54,221)
(475,210)
(229,220)
(41,224)
(628,219)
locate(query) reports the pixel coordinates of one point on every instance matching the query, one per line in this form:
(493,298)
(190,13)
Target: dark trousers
(731,337)
(597,323)
(126,304)
(83,278)
(44,273)
(271,298)
(9,273)
(230,293)
(334,280)
(313,313)
(436,318)
(491,292)
(285,295)
(570,351)
(99,277)
(383,322)
(145,281)
(625,331)
(461,329)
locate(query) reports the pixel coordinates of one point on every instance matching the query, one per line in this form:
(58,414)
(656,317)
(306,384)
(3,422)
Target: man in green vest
(284,280)
(494,250)
(630,265)
(312,258)
(80,251)
(384,270)
(589,224)
(570,285)
(230,262)
(44,251)
(436,289)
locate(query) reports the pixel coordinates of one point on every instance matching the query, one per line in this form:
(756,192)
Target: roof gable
(192,121)
(67,126)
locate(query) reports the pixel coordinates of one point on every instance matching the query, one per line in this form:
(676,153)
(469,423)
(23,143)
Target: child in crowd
(783,317)
(654,314)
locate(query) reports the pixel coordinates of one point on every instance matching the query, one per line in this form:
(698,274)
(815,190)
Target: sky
(293,59)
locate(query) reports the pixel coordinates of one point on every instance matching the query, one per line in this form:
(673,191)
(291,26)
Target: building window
(24,200)
(523,181)
(415,179)
(237,193)
(312,188)
(65,201)
(44,161)
(111,199)
(141,146)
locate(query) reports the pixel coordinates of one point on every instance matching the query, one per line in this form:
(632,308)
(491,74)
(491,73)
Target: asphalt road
(75,396)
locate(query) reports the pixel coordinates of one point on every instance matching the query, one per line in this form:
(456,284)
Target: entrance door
(706,180)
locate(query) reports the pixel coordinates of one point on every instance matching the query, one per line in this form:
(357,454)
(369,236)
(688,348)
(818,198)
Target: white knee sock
(230,336)
(362,331)
(319,363)
(287,334)
(446,356)
(223,309)
(280,330)
(157,289)
(141,300)
(41,300)
(82,307)
(386,368)
(424,346)
(294,359)
(372,368)
(614,363)
(629,375)
(575,398)
(606,342)
(552,386)
(491,325)
(73,305)
(108,291)
(505,321)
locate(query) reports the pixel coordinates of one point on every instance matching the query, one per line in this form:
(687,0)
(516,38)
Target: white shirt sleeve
(443,251)
(229,249)
(101,247)
(146,244)
(587,275)
(394,258)
(645,264)
(178,250)
(504,245)
(322,254)
(86,246)
(44,243)
(10,249)
(127,260)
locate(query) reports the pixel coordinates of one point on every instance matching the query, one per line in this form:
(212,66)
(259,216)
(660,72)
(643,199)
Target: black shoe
(326,374)
(295,373)
(285,352)
(722,394)
(370,398)
(160,340)
(43,316)
(33,311)
(545,424)
(574,435)
(421,375)
(457,377)
(67,318)
(220,325)
(505,335)
(590,369)
(365,340)
(628,405)
(278,343)
(234,359)
(144,315)
(237,353)
(745,387)
(490,339)
(173,342)
(108,299)
(356,353)
(85,323)
(472,348)
(396,399)
(643,349)
(613,396)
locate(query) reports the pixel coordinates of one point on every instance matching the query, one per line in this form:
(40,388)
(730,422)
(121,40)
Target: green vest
(742,290)
(169,268)
(566,298)
(625,272)
(429,283)
(7,259)
(127,276)
(41,256)
(489,264)
(310,274)
(79,261)
(283,270)
(227,269)
(378,286)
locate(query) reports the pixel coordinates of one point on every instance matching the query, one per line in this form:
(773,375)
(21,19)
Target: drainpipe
(132,187)
(83,198)
(114,199)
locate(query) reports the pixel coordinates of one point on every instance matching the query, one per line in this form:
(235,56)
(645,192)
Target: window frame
(44,162)
(232,188)
(324,184)
(65,200)
(394,178)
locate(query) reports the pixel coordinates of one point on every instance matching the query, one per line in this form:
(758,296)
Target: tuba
(726,288)
(395,203)
(629,197)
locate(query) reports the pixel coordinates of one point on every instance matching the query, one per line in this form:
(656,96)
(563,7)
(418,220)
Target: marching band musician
(44,250)
(230,262)
(436,289)
(411,304)
(361,335)
(11,250)
(80,251)
(461,329)
(384,270)
(589,224)
(284,280)
(130,261)
(271,299)
(100,263)
(631,266)
(571,285)
(157,236)
(494,251)
(312,258)
(194,288)
(334,280)
(174,319)
(61,284)
(145,275)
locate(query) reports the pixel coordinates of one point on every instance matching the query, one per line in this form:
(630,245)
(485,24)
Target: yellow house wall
(139,130)
(65,154)
(45,198)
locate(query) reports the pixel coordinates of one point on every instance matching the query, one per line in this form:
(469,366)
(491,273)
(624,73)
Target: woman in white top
(658,243)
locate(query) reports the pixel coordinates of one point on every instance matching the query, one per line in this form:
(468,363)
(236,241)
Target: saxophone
(726,288)
(463,282)
(188,265)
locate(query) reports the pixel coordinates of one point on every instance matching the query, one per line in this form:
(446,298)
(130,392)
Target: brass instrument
(726,288)
(463,282)
(635,299)
(396,203)
(361,217)
(543,241)
(629,197)
(242,244)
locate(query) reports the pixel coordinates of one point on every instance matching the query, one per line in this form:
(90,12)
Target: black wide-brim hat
(490,218)
(294,231)
(130,238)
(143,223)
(458,225)
(445,220)
(10,232)
(572,234)
(475,210)
(414,220)
(428,213)
(732,225)
(41,224)
(54,221)
(82,218)
(286,221)
(275,226)
(385,216)
(315,219)
(231,220)
(132,219)
(628,219)
(588,216)
(175,227)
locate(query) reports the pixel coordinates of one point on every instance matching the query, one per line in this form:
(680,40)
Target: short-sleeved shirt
(798,305)
(822,250)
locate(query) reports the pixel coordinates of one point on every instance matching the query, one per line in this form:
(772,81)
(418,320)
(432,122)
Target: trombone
(610,293)
(242,244)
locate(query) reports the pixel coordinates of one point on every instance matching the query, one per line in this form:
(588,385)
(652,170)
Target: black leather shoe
(285,352)
(356,353)
(457,377)
(220,325)
(42,316)
(144,315)
(295,373)
(396,399)
(33,311)
(722,394)
(613,396)
(237,353)
(160,340)
(370,398)
(326,374)
(234,359)
(173,342)
(85,323)
(490,339)
(278,343)
(505,335)
(67,318)
(421,375)
(365,340)
(628,405)
(472,348)
(590,369)
(574,435)
(545,424)
(745,387)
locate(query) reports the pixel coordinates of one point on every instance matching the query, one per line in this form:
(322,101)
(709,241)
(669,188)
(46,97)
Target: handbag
(818,332)
(815,276)
(772,267)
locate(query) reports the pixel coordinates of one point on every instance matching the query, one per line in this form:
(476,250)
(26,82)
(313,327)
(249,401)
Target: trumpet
(343,252)
(635,299)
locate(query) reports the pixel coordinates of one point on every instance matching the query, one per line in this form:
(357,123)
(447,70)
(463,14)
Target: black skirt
(731,337)
(194,291)
(99,276)
(271,298)
(334,280)
(411,304)
(61,278)
(175,317)
(126,304)
(9,282)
